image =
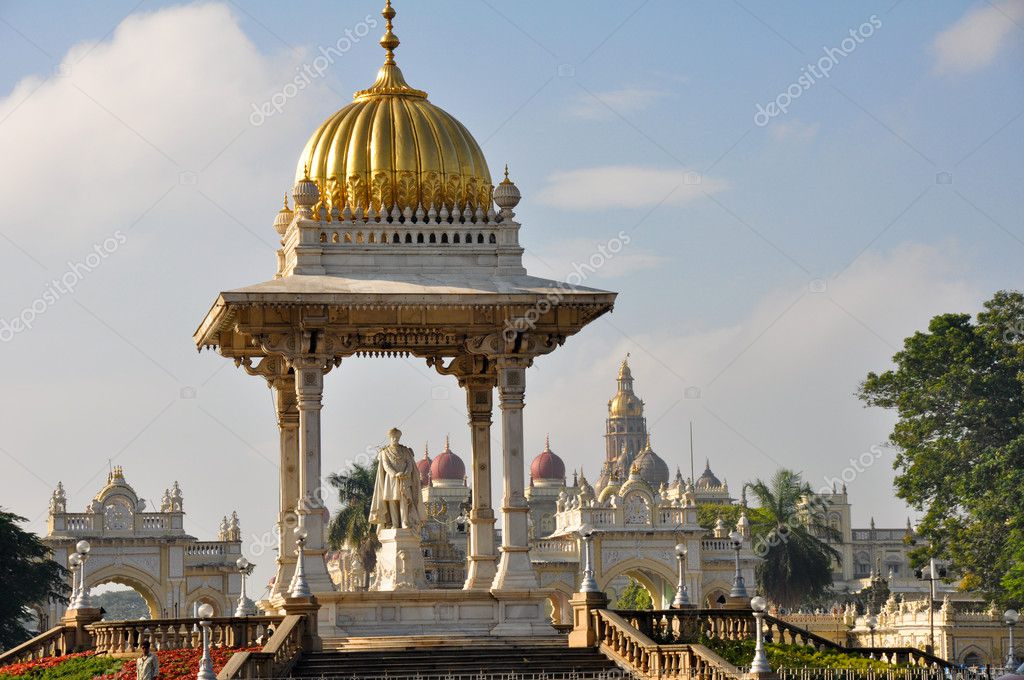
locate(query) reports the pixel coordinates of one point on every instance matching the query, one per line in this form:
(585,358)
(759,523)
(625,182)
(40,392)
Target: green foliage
(741,652)
(27,576)
(958,393)
(634,596)
(351,526)
(708,514)
(78,667)
(121,605)
(792,534)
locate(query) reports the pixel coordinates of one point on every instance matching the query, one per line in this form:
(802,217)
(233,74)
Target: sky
(797,187)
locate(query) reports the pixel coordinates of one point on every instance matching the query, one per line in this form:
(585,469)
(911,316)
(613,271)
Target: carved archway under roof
(138,581)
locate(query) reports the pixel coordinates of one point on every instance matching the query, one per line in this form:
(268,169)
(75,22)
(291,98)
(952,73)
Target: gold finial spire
(547,442)
(286,202)
(446,446)
(389,41)
(305,171)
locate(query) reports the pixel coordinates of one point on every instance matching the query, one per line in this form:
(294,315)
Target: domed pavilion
(398,245)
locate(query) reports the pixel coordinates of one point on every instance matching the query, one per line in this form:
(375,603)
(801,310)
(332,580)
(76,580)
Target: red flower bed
(41,664)
(179,664)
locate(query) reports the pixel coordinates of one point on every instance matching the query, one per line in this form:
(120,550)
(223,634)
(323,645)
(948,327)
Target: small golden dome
(391,146)
(625,404)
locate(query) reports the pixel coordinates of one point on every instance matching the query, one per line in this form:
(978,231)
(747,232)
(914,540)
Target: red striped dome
(447,467)
(547,466)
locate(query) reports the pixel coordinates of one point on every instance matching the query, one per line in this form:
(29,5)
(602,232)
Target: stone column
(515,572)
(482,557)
(288,425)
(309,387)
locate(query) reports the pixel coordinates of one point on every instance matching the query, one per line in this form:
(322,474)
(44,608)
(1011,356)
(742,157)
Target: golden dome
(625,404)
(392,147)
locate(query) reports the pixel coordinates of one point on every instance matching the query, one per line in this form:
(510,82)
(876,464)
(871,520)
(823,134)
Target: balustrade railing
(276,658)
(619,640)
(693,626)
(122,637)
(57,641)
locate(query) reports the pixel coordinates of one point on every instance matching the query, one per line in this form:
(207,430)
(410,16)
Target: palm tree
(350,527)
(793,536)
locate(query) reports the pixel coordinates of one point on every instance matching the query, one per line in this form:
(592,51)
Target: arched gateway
(147,551)
(395,249)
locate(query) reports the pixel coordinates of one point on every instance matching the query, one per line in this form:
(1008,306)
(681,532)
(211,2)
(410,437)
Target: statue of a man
(397,503)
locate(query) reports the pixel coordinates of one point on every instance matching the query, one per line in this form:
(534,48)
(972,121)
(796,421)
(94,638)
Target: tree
(350,527)
(958,393)
(792,535)
(28,576)
(634,597)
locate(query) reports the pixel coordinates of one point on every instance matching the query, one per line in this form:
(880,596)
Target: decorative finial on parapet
(506,197)
(390,41)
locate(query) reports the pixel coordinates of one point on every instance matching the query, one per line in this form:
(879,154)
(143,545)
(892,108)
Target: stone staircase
(437,657)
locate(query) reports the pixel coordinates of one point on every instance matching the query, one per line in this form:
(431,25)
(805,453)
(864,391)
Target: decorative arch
(713,591)
(136,579)
(207,595)
(973,655)
(648,572)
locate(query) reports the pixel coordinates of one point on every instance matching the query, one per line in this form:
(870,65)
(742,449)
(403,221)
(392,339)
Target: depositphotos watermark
(812,73)
(581,271)
(311,71)
(60,287)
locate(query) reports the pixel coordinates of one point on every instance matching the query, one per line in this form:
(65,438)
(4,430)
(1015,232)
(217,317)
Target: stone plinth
(584,633)
(308,607)
(457,613)
(399,561)
(79,619)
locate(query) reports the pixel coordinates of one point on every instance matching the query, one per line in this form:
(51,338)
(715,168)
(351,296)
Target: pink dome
(423,465)
(547,465)
(447,466)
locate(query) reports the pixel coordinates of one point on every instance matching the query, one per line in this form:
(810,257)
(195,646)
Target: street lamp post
(74,563)
(205,663)
(1011,617)
(872,624)
(760,663)
(83,601)
(589,584)
(245,605)
(681,599)
(934,574)
(739,588)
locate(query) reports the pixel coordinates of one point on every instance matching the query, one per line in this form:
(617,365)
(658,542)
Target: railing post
(584,629)
(78,619)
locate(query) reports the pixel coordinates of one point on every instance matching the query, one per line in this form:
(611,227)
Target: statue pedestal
(399,561)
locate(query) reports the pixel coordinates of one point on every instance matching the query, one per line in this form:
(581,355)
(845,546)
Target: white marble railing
(554,546)
(154,520)
(77,521)
(206,549)
(717,544)
(352,234)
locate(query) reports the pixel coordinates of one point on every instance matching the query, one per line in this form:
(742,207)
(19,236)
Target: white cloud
(626,186)
(794,130)
(613,103)
(558,260)
(170,92)
(776,386)
(977,38)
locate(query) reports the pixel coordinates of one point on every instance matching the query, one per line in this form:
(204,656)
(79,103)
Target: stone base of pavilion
(452,613)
